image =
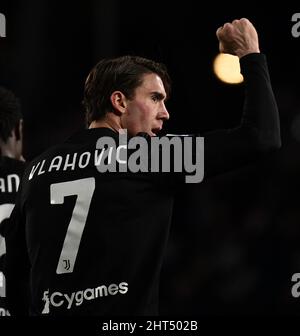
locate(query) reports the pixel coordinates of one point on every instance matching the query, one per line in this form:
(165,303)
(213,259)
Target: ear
(119,101)
(19,130)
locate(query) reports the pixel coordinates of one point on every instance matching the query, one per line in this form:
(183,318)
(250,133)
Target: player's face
(146,112)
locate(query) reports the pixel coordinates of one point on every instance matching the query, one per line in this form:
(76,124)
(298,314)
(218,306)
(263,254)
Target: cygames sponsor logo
(58,299)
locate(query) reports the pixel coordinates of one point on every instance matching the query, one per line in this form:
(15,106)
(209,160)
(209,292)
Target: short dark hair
(10,113)
(123,74)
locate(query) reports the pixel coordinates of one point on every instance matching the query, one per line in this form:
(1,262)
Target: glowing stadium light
(227,69)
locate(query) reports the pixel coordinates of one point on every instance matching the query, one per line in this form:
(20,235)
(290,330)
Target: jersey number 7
(84,189)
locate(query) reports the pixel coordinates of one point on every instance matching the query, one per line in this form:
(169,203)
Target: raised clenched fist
(238,38)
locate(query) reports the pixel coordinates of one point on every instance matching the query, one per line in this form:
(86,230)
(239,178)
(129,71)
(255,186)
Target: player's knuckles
(244,21)
(246,24)
(235,22)
(227,25)
(218,32)
(226,31)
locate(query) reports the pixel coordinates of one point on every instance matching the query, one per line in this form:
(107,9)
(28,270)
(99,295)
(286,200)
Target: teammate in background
(11,170)
(95,242)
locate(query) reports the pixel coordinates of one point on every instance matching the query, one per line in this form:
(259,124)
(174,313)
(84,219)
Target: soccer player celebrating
(95,239)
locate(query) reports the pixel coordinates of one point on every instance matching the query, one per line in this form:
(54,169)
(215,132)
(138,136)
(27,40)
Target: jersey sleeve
(259,130)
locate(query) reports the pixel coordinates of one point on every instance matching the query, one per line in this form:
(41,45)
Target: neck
(108,123)
(9,150)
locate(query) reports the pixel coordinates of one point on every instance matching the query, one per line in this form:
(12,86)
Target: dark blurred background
(235,239)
